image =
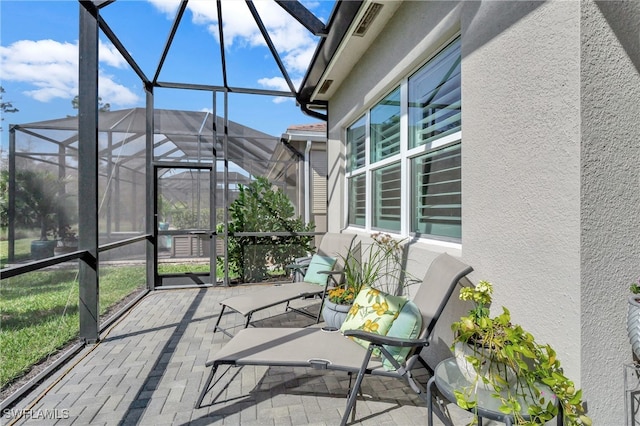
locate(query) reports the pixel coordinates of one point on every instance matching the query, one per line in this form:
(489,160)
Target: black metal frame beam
(12,192)
(214,88)
(123,51)
(223,58)
(272,48)
(172,33)
(151,191)
(88,171)
(304,16)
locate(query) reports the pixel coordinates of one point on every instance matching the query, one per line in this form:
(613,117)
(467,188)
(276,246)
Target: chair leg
(430,402)
(351,402)
(320,310)
(322,298)
(205,389)
(218,320)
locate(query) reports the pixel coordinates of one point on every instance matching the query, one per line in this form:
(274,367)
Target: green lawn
(39,310)
(40,313)
(180,268)
(22,250)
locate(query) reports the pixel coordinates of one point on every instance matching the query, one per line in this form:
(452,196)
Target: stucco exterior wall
(610,187)
(550,175)
(521,164)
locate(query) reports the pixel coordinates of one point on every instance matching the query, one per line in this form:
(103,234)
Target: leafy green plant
(353,278)
(635,287)
(183,218)
(378,266)
(261,208)
(516,350)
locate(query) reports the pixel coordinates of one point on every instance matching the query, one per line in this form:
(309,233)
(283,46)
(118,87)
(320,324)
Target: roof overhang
(353,27)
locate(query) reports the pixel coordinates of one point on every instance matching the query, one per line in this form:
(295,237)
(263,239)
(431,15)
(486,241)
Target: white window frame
(405,156)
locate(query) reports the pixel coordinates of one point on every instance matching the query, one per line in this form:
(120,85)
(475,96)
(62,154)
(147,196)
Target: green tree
(260,208)
(39,202)
(5,106)
(102,107)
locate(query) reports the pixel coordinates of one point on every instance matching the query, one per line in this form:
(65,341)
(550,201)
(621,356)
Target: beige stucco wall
(610,196)
(521,164)
(551,175)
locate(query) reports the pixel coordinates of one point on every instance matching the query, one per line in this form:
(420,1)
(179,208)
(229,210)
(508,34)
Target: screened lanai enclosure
(194,185)
(190,184)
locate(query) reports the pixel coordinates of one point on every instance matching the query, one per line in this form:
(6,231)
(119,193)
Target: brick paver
(149,368)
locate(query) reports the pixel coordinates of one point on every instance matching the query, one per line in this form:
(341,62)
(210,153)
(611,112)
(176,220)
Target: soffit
(353,46)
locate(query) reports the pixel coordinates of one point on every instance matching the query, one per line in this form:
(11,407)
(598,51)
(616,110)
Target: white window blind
(357,200)
(435,97)
(385,127)
(437,201)
(319,181)
(356,144)
(386,197)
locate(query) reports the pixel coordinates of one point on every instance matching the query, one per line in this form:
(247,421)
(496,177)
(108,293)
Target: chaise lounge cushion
(373,311)
(407,326)
(317,265)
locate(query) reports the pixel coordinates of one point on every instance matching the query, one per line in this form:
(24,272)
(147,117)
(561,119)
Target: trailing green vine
(540,376)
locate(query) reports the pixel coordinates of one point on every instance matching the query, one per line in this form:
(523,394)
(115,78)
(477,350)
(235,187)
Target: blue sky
(39,58)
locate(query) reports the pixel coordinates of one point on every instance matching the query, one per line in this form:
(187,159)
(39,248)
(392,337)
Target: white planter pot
(633,323)
(333,314)
(488,368)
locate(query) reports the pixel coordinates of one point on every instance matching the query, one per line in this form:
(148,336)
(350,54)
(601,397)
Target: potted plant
(509,361)
(381,269)
(339,299)
(337,305)
(67,241)
(633,318)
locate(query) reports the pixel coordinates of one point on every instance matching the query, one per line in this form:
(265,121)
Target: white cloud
(110,55)
(168,7)
(293,42)
(114,93)
(278,83)
(51,67)
(275,83)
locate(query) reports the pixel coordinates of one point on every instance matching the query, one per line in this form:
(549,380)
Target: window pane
(434,97)
(385,127)
(356,145)
(386,197)
(437,199)
(357,200)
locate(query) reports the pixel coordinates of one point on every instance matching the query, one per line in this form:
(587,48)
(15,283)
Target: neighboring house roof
(313,127)
(314,132)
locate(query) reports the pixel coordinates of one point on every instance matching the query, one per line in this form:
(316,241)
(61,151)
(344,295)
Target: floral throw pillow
(372,311)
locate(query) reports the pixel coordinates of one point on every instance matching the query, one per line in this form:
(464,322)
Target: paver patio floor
(148,369)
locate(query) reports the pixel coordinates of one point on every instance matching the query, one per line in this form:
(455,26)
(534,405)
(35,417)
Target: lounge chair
(324,349)
(333,245)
